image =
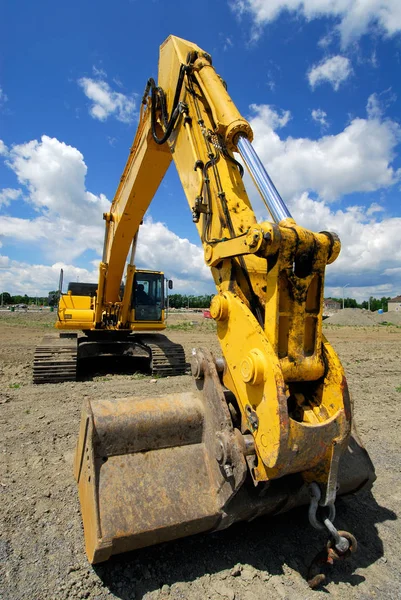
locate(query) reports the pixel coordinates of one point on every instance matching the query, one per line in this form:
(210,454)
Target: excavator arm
(282,382)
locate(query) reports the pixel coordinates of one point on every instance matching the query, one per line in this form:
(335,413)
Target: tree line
(175,300)
(7,299)
(373,303)
(184,301)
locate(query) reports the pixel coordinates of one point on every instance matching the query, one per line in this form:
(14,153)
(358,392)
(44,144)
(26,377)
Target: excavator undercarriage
(65,357)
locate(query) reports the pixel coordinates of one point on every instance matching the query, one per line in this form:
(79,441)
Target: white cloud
(18,277)
(161,249)
(69,220)
(358,159)
(369,246)
(355,160)
(57,237)
(373,107)
(374,208)
(99,72)
(334,70)
(8,194)
(272,117)
(227,44)
(353,18)
(319,116)
(106,102)
(54,174)
(69,223)
(363,292)
(392,271)
(3,149)
(158,248)
(24,278)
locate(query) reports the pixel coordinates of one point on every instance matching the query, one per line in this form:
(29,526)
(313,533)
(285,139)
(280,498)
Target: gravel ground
(357,317)
(41,539)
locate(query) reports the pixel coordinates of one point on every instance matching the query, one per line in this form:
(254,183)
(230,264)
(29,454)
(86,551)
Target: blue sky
(319,81)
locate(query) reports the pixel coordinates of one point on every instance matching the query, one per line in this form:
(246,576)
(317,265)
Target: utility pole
(3,291)
(344,286)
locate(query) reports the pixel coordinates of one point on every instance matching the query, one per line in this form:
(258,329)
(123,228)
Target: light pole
(3,291)
(344,286)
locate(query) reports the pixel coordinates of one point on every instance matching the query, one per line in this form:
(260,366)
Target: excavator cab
(148,296)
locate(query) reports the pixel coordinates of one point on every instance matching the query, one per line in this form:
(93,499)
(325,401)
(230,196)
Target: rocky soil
(41,539)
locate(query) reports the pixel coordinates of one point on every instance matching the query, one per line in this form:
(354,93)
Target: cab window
(147,297)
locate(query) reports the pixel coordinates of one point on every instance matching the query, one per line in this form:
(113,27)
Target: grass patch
(24,322)
(183,326)
(139,375)
(14,386)
(205,325)
(398,389)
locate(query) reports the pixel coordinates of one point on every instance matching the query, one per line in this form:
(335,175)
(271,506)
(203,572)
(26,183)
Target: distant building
(330,304)
(394,304)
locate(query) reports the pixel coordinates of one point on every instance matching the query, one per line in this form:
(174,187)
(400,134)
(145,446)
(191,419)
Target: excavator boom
(273,415)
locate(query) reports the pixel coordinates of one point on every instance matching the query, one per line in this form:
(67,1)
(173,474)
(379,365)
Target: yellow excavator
(268,425)
(119,324)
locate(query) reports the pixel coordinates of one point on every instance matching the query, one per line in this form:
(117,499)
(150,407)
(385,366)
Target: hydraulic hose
(157,94)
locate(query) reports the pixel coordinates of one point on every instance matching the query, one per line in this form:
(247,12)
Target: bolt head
(219,308)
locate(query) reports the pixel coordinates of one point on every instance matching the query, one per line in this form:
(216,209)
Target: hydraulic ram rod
(264,184)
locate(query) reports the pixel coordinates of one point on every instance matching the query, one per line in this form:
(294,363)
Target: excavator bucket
(151,470)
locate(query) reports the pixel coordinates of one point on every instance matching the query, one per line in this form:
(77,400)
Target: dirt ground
(41,539)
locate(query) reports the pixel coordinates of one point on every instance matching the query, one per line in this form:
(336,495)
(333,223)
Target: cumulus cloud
(69,223)
(358,159)
(69,217)
(373,107)
(57,237)
(105,101)
(369,246)
(161,249)
(353,18)
(3,149)
(24,278)
(319,116)
(8,194)
(334,70)
(54,174)
(18,277)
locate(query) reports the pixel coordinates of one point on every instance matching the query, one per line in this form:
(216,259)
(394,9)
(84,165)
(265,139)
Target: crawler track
(55,360)
(167,358)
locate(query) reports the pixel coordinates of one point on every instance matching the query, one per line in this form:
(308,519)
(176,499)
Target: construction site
(244,446)
(42,546)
